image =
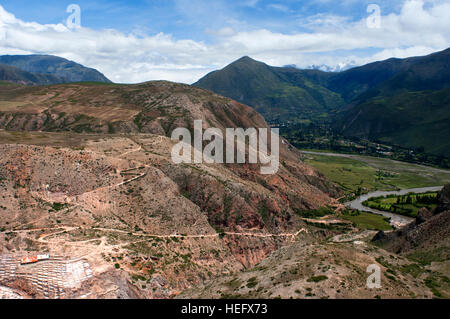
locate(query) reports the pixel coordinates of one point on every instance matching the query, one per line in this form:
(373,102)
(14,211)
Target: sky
(183,40)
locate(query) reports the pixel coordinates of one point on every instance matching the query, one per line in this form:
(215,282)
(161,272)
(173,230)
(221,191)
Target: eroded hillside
(330,270)
(118,200)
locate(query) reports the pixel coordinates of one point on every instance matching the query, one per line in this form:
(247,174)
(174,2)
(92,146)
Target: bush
(317,278)
(316,213)
(252,282)
(58,206)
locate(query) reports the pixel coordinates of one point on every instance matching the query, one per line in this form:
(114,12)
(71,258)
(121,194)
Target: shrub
(252,282)
(317,278)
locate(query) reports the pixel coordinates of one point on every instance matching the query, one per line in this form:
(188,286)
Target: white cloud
(322,21)
(415,30)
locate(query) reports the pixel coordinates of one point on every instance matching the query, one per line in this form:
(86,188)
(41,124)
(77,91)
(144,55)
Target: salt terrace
(52,279)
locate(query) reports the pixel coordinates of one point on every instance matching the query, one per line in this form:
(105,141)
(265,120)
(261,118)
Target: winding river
(396,220)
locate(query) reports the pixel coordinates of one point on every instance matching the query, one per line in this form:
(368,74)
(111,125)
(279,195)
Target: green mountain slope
(277,93)
(356,81)
(64,69)
(399,101)
(412,108)
(414,73)
(16,75)
(431,72)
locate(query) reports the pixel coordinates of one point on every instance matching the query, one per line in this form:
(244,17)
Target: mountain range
(409,104)
(15,75)
(398,101)
(278,93)
(86,171)
(401,102)
(45,69)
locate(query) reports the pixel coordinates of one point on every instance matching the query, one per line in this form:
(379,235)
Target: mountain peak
(247,60)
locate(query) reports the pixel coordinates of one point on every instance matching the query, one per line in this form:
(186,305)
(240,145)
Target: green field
(408,205)
(362,174)
(364,220)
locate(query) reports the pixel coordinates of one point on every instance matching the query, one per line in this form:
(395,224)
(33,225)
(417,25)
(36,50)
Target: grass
(6,83)
(10,106)
(362,173)
(429,255)
(413,269)
(364,220)
(433,283)
(316,213)
(408,205)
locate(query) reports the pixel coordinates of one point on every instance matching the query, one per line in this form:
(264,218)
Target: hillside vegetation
(279,94)
(48,69)
(403,102)
(10,74)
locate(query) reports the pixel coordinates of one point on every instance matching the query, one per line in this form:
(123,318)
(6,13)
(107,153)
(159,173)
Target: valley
(143,252)
(404,215)
(406,205)
(87,178)
(396,107)
(357,174)
(148,227)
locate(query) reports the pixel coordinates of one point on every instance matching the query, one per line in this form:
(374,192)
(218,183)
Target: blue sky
(181,40)
(192,18)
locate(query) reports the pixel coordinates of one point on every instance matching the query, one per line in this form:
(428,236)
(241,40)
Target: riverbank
(395,219)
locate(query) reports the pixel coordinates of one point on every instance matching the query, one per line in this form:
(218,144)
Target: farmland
(362,174)
(365,220)
(408,205)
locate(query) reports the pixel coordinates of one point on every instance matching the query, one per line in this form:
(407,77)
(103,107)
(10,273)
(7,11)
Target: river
(396,220)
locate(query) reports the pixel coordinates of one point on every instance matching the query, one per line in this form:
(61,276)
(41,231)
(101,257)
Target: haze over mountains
(401,101)
(45,69)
